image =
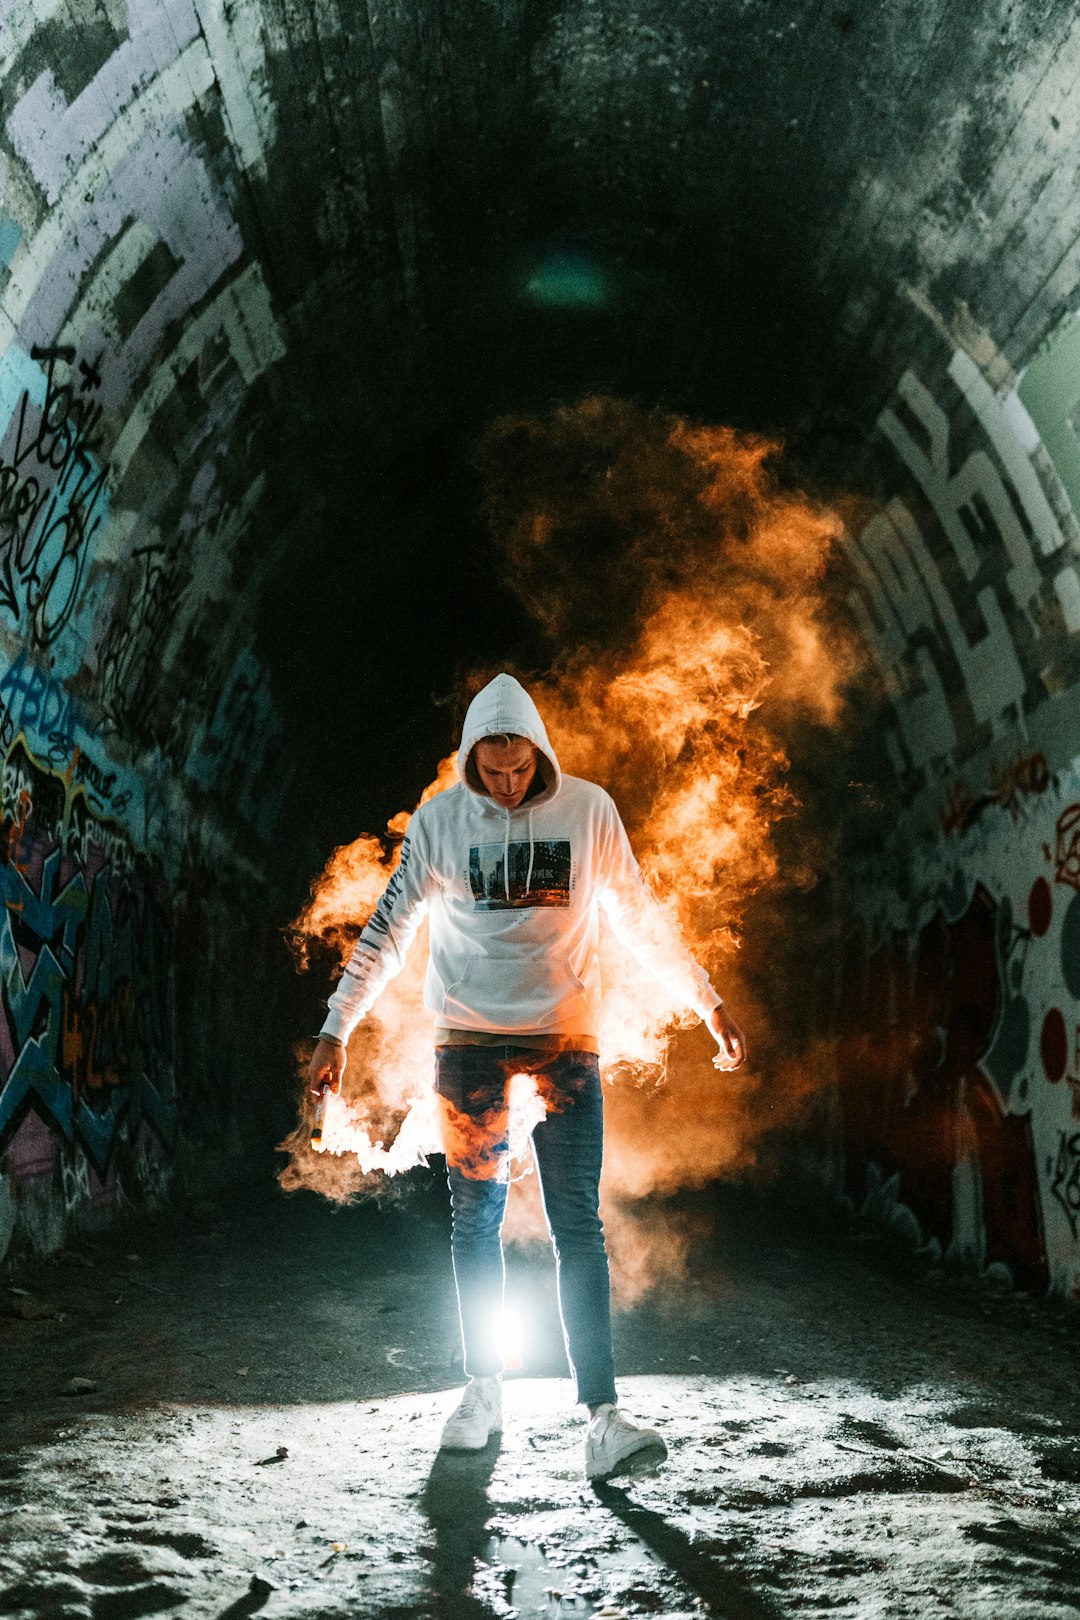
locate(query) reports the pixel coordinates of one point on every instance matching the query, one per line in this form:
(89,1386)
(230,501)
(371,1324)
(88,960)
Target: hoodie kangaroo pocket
(513,992)
(451,991)
(577,983)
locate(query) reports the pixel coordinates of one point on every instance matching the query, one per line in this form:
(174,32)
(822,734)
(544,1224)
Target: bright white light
(510,1339)
(506,1336)
(526,1110)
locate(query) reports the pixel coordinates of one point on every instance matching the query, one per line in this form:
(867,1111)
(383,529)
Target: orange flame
(717,649)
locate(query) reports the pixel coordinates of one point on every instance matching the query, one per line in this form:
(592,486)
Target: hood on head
(503,705)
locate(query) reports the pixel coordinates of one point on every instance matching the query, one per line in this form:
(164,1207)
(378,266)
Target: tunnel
(310,317)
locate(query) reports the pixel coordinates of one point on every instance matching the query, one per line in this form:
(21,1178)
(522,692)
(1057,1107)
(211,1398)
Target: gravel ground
(239,1416)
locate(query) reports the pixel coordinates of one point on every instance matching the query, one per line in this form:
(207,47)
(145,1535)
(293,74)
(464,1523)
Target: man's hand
(327,1066)
(729,1038)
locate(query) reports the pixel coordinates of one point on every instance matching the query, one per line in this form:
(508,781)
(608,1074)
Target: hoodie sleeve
(380,951)
(641,924)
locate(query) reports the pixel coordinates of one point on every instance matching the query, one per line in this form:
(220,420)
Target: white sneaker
(476,1417)
(615,1444)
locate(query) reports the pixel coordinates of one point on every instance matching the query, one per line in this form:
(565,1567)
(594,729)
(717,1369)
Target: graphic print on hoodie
(504,877)
(513,899)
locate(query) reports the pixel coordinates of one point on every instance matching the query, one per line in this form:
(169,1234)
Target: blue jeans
(568,1143)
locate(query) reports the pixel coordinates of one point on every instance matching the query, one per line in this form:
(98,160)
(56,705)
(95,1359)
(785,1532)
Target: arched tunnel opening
(714,372)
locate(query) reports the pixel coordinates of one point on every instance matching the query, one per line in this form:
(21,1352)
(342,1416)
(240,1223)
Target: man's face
(506,770)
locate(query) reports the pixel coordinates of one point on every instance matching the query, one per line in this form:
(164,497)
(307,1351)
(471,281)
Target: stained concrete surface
(846,1436)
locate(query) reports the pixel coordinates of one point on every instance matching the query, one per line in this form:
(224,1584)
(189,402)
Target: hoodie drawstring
(506,858)
(532,853)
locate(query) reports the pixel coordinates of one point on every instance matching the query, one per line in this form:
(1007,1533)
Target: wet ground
(239,1416)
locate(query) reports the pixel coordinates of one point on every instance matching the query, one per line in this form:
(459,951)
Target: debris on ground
(845,1441)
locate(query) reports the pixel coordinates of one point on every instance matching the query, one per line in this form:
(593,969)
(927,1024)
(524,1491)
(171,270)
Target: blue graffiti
(54,494)
(33,700)
(88,1020)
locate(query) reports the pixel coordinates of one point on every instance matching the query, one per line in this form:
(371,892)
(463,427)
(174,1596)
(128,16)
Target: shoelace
(618,1422)
(473,1398)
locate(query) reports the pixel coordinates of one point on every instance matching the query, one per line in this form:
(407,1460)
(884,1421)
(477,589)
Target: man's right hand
(729,1038)
(327,1066)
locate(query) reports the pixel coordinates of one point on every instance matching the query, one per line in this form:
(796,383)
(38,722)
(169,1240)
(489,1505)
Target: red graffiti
(1067,851)
(1021,777)
(18,854)
(1054,1046)
(917,1015)
(1040,907)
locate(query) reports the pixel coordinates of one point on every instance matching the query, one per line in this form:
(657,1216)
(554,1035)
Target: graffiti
(86,837)
(33,701)
(135,319)
(959,590)
(130,306)
(1054,1046)
(1040,908)
(1027,775)
(960,1037)
(1054,1056)
(129,666)
(52,498)
(100,783)
(238,750)
(1067,847)
(17,855)
(86,1025)
(1064,1172)
(74,1178)
(29,697)
(14,785)
(918,1018)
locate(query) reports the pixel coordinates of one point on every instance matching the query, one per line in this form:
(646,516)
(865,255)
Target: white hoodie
(512,897)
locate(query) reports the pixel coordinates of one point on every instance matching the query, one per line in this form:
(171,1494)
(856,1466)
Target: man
(512,865)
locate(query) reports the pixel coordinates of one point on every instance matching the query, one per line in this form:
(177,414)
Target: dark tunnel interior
(352,353)
(269,279)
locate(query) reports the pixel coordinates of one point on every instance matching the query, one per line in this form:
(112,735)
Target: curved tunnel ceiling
(269,267)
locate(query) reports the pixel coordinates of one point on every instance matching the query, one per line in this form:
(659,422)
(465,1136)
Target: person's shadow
(456,1503)
(721,1591)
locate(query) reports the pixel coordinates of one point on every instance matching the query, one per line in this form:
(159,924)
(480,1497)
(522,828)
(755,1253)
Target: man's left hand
(729,1038)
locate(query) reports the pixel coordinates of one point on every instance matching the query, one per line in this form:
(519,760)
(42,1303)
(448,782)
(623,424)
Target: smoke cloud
(693,649)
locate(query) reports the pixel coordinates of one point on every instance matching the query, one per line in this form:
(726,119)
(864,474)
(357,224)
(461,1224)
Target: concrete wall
(140,778)
(959,1005)
(960,995)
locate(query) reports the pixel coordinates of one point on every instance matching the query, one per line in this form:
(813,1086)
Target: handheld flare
(318,1124)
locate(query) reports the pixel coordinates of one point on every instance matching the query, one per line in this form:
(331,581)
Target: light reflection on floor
(781,1496)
